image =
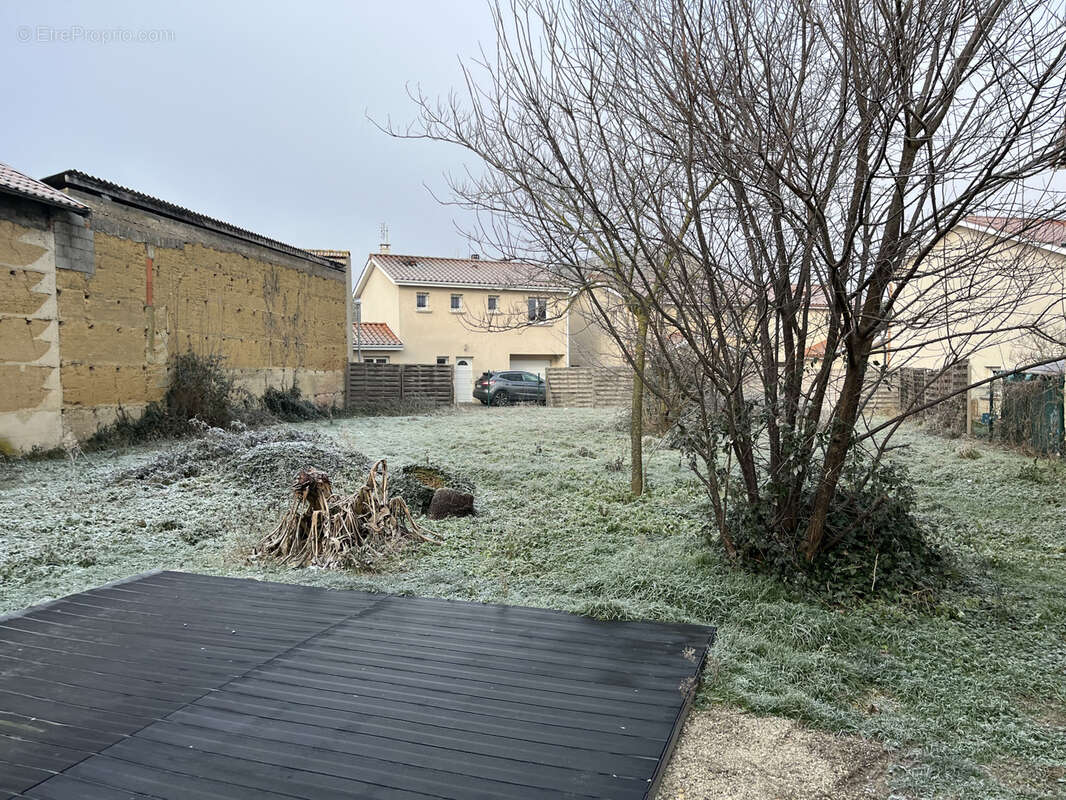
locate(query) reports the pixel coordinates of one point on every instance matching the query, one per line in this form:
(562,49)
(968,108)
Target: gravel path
(723,753)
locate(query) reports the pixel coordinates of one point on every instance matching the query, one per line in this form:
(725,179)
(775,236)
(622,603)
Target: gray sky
(252,112)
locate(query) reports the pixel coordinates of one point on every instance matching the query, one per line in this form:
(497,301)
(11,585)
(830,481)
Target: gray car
(510,386)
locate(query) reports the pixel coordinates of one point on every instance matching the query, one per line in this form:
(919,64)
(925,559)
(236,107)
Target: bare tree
(778,189)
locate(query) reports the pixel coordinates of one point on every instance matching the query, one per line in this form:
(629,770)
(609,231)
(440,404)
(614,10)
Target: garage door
(535,364)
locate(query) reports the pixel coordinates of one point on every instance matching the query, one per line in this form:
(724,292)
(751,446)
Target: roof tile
(14,182)
(1044,231)
(376,334)
(464,272)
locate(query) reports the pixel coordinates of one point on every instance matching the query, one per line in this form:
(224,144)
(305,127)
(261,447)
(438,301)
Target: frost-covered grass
(971,695)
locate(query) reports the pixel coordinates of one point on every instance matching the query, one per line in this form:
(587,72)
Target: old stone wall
(31,396)
(160,287)
(93,310)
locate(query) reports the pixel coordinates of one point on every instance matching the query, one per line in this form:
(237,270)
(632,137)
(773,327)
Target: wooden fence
(589,387)
(918,386)
(882,393)
(393,385)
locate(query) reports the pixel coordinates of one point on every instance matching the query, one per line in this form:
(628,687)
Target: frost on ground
(968,696)
(193,504)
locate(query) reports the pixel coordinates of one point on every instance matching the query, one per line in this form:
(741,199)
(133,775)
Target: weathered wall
(161,287)
(32,397)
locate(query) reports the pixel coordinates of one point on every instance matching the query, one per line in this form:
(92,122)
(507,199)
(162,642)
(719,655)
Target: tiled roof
(464,272)
(375,335)
(14,182)
(1044,231)
(337,255)
(88,183)
(817,350)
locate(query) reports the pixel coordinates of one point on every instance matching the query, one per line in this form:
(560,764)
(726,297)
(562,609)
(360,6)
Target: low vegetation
(966,688)
(202,392)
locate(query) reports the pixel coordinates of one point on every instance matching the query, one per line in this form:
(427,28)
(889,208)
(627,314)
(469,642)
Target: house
(473,313)
(103,285)
(1014,292)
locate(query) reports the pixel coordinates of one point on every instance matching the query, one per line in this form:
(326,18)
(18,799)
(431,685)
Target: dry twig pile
(324,529)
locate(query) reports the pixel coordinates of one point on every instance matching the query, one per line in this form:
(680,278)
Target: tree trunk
(842,430)
(636,419)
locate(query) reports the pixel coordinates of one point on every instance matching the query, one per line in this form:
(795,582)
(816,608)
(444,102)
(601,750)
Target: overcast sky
(252,112)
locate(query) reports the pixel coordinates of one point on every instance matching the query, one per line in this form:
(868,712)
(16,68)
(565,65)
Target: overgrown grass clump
(290,405)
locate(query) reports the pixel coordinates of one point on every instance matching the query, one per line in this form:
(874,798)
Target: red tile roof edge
(19,184)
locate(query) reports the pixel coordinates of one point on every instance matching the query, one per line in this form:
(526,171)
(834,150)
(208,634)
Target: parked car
(510,386)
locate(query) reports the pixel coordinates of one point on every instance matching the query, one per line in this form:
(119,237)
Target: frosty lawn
(971,695)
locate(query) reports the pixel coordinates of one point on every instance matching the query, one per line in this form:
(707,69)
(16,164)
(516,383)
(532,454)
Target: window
(376,360)
(457,302)
(442,359)
(529,377)
(422,301)
(494,303)
(538,309)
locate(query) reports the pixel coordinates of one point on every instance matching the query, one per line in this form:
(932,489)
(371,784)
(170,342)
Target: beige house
(1016,288)
(473,313)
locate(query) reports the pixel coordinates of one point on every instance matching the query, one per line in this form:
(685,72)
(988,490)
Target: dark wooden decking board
(174,685)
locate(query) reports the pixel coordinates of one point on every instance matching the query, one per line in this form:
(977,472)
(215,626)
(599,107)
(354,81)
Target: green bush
(290,406)
(875,544)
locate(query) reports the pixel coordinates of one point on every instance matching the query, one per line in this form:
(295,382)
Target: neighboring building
(105,285)
(40,228)
(591,344)
(1018,285)
(470,312)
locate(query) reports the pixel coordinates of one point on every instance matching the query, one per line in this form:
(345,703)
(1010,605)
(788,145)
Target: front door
(464,380)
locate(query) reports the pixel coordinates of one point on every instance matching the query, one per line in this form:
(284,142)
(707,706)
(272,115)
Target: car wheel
(501,399)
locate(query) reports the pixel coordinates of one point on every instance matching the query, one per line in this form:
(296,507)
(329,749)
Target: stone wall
(161,287)
(132,290)
(31,399)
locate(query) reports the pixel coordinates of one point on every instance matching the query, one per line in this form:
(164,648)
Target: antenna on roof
(384,238)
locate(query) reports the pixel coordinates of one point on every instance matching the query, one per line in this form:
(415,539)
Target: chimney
(475,256)
(384,246)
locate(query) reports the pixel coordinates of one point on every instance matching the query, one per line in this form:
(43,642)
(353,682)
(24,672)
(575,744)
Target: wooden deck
(174,685)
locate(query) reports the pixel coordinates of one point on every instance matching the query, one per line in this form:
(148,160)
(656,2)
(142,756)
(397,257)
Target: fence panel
(1028,412)
(918,386)
(390,385)
(589,387)
(429,383)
